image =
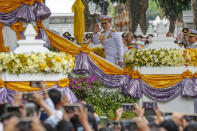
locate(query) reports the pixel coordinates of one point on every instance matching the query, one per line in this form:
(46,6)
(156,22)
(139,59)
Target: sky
(60,6)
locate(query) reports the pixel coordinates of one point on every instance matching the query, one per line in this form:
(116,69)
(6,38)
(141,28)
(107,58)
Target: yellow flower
(42,66)
(58,59)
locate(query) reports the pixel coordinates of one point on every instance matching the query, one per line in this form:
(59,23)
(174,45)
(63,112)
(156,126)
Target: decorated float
(166,75)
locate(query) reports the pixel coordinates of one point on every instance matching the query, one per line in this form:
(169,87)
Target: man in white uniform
(192,39)
(111,41)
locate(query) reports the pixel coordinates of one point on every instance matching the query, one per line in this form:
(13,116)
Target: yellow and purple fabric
(8,89)
(13,11)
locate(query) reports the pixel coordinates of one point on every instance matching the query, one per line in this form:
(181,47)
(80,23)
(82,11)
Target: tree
(90,19)
(137,14)
(172,10)
(194,9)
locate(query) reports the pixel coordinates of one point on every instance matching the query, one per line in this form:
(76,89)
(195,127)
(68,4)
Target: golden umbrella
(79,24)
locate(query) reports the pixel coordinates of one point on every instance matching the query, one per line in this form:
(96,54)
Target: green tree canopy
(173,8)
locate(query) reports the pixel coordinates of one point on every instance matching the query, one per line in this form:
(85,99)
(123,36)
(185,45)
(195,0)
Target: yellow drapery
(63,82)
(60,43)
(7,6)
(2,46)
(195,75)
(79,22)
(2,84)
(187,74)
(105,66)
(161,81)
(25,86)
(18,27)
(67,46)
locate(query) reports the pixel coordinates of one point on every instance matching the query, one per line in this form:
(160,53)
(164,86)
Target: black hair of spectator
(134,36)
(2,108)
(169,125)
(151,35)
(55,96)
(123,34)
(105,129)
(64,125)
(140,36)
(48,127)
(92,121)
(90,108)
(8,115)
(191,127)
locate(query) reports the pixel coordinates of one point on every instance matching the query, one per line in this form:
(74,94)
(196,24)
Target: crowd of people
(51,111)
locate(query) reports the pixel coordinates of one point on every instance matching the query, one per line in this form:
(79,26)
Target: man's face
(106,25)
(129,38)
(186,37)
(192,39)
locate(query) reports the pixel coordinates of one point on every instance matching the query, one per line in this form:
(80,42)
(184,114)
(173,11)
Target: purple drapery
(25,13)
(41,11)
(164,94)
(8,18)
(42,35)
(28,13)
(84,64)
(6,95)
(135,87)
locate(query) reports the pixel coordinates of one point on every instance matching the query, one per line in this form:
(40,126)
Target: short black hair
(64,125)
(55,96)
(139,36)
(191,127)
(169,125)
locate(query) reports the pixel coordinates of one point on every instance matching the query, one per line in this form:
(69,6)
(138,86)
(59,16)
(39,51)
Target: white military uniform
(194,45)
(112,44)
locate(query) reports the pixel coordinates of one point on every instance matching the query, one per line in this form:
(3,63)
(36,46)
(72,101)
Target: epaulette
(113,30)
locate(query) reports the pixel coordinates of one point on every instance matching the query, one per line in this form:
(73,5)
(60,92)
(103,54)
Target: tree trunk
(90,20)
(194,7)
(143,5)
(172,25)
(137,14)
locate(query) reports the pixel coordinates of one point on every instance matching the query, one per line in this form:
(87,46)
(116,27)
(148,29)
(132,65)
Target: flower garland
(36,62)
(155,58)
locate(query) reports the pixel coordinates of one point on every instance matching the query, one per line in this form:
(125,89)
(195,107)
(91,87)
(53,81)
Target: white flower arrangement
(155,58)
(36,62)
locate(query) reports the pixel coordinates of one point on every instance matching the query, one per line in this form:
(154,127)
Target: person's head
(123,35)
(169,125)
(48,127)
(139,38)
(192,36)
(55,96)
(66,35)
(169,34)
(64,126)
(191,127)
(106,23)
(129,37)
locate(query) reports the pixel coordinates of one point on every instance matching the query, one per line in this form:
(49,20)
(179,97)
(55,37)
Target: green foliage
(113,1)
(104,100)
(173,8)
